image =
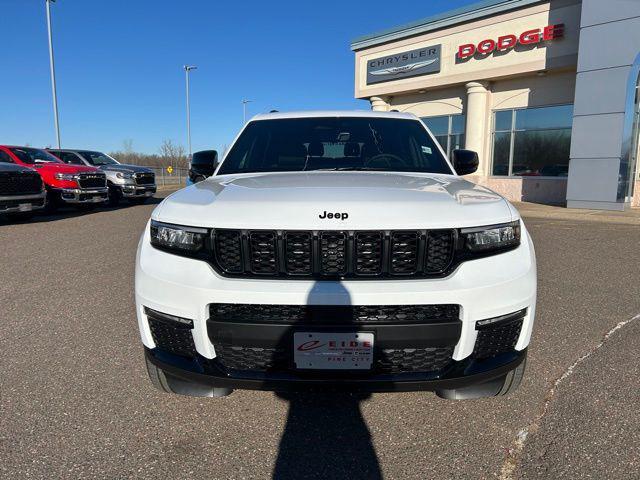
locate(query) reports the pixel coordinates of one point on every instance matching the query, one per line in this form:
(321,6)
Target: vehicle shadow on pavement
(325,435)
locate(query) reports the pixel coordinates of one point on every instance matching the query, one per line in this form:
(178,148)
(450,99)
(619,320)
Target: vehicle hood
(126,168)
(13,168)
(372,200)
(64,168)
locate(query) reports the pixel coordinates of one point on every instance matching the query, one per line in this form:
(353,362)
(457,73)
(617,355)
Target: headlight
(69,177)
(124,175)
(494,237)
(182,240)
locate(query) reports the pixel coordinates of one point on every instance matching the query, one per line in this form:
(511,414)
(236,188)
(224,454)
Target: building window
(532,141)
(448,130)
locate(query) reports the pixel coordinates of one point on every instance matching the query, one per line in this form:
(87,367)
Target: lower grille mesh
(173,339)
(251,358)
(494,340)
(320,314)
(414,359)
(388,361)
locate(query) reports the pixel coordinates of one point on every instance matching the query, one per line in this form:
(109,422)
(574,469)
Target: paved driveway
(75,401)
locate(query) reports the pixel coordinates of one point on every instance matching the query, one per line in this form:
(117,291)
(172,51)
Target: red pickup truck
(65,184)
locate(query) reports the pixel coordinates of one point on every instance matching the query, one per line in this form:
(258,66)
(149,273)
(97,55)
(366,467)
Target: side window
(4,157)
(72,158)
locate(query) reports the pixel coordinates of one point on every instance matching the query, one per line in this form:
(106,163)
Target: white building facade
(544,91)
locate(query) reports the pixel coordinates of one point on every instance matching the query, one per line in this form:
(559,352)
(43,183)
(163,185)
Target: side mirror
(204,163)
(465,161)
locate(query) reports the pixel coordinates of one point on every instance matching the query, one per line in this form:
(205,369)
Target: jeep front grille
(92,180)
(333,254)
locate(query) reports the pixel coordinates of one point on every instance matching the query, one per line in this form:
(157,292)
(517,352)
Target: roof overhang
(469,13)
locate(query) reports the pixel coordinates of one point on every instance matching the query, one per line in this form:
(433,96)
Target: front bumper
(84,195)
(22,203)
(484,288)
(458,375)
(137,191)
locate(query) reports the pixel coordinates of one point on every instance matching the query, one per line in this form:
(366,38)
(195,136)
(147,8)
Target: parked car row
(33,179)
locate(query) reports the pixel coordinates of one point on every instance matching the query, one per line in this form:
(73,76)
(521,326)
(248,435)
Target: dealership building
(547,93)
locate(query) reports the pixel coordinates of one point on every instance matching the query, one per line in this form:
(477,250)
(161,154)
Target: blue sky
(119,65)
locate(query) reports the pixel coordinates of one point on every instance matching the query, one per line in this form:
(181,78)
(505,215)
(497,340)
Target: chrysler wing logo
(404,68)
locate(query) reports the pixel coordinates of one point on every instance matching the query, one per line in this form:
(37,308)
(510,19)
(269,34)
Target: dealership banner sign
(422,61)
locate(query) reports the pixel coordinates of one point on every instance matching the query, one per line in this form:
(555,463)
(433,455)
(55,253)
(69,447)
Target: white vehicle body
(484,288)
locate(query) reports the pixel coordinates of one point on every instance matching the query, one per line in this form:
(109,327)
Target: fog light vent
(171,333)
(498,335)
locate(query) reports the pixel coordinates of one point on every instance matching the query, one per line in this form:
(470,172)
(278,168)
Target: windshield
(98,158)
(331,143)
(34,155)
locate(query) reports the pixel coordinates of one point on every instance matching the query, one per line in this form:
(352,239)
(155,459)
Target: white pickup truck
(336,251)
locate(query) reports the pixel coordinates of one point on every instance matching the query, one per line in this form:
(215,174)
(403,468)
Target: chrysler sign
(414,63)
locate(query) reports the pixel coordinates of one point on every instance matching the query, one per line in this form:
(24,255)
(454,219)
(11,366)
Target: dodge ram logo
(337,215)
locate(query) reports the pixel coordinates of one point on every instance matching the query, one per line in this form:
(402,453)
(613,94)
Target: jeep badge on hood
(341,216)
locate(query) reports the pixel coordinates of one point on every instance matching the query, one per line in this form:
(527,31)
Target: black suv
(21,189)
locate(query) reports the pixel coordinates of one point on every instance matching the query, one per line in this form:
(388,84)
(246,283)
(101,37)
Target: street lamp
(53,72)
(244,110)
(187,69)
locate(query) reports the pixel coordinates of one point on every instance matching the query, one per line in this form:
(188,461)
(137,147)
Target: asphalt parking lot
(75,401)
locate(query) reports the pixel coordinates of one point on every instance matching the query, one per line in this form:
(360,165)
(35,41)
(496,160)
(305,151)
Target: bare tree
(174,155)
(127,145)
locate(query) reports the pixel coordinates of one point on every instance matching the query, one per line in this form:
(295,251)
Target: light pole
(187,69)
(244,111)
(53,72)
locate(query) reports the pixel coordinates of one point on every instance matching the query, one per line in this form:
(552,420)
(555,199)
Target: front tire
(498,387)
(114,196)
(52,203)
(21,216)
(167,383)
(513,379)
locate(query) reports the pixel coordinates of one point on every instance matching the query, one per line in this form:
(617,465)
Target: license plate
(333,351)
(149,193)
(97,199)
(24,207)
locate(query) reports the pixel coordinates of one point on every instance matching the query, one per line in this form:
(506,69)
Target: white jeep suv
(336,250)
